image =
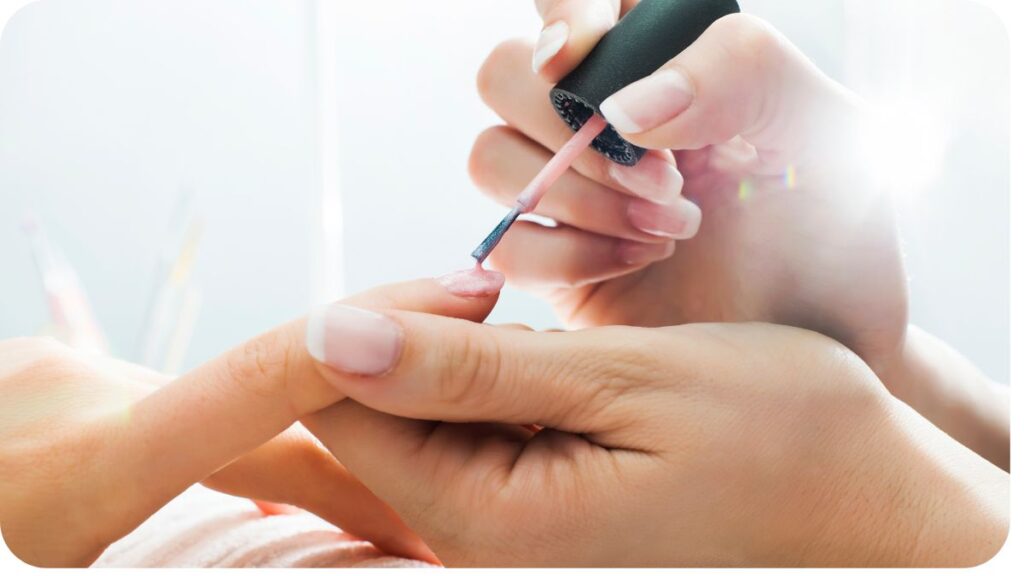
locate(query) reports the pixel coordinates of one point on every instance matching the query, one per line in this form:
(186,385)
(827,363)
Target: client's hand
(90,447)
(698,445)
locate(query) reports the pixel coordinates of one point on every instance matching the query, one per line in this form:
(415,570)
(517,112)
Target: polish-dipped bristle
(531,196)
(491,242)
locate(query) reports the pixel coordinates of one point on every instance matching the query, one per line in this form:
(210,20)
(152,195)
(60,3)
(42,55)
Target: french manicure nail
(679,220)
(652,178)
(353,340)
(552,40)
(639,253)
(649,103)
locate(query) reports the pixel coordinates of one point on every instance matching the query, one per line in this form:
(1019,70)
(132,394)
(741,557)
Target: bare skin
(90,447)
(792,229)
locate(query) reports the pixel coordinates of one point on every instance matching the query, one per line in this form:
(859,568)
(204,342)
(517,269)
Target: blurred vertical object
(327,266)
(71,314)
(174,302)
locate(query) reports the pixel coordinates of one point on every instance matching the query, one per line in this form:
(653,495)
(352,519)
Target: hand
(90,447)
(743,109)
(658,449)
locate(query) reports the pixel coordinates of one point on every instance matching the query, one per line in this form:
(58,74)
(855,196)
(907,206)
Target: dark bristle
(491,242)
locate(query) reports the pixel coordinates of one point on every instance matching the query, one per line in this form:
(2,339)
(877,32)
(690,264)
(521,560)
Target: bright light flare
(906,144)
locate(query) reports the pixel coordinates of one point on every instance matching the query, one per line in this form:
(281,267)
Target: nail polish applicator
(651,34)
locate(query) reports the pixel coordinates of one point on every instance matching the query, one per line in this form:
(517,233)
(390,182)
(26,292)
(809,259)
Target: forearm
(954,395)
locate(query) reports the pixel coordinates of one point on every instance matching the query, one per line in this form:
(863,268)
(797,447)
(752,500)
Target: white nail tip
(552,40)
(618,118)
(694,218)
(315,335)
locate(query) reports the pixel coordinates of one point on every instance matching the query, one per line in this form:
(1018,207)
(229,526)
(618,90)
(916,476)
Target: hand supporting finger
(194,426)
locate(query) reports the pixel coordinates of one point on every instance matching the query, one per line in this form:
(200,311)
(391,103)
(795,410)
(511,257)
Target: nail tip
(315,335)
(618,118)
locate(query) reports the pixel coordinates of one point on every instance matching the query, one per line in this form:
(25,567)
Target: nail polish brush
(651,34)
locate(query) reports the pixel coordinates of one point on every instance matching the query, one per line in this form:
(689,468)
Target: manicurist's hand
(791,229)
(90,447)
(778,178)
(697,445)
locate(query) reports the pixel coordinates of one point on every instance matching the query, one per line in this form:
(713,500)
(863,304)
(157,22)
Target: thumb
(197,424)
(740,78)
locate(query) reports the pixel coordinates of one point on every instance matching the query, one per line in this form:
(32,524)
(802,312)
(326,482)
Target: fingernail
(679,220)
(649,103)
(353,340)
(638,253)
(652,178)
(473,283)
(552,40)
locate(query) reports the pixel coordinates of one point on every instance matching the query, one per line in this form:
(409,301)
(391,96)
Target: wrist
(899,492)
(949,391)
(947,506)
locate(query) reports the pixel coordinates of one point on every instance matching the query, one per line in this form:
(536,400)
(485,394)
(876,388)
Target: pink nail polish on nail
(354,340)
(473,283)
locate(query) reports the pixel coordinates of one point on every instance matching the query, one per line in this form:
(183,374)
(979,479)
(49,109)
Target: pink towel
(205,529)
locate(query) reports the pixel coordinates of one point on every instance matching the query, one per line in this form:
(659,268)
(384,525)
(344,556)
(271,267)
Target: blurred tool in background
(71,315)
(175,300)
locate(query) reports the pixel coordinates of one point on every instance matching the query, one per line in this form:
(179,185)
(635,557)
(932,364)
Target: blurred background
(202,170)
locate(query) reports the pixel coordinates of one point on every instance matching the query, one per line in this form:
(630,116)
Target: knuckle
(503,60)
(471,365)
(623,364)
(750,37)
(261,365)
(485,155)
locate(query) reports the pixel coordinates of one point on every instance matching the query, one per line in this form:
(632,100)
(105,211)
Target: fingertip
(473,283)
(573,28)
(550,43)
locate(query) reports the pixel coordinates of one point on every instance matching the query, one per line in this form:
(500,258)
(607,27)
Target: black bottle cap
(653,33)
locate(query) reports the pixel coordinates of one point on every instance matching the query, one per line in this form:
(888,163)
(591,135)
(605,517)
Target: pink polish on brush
(535,190)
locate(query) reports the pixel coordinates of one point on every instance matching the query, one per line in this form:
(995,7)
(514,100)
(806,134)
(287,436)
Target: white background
(109,108)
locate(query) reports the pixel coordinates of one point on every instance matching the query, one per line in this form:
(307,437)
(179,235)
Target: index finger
(571,30)
(199,423)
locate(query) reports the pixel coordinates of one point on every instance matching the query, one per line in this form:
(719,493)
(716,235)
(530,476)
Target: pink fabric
(206,529)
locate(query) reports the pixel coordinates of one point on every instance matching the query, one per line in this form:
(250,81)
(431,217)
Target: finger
(394,457)
(450,481)
(571,30)
(294,470)
(521,98)
(182,433)
(571,258)
(740,78)
(503,161)
(450,370)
